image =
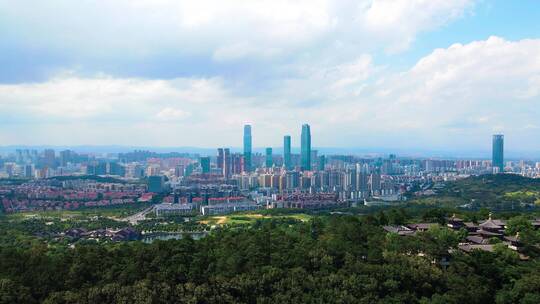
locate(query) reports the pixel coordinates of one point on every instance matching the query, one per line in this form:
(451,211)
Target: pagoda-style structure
(491,228)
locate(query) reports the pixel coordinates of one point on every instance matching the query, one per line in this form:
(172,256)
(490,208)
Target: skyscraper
(375,183)
(247,148)
(226,163)
(49,158)
(156,183)
(322,162)
(287,152)
(269,161)
(205,164)
(237,163)
(219,159)
(498,153)
(65,157)
(305,147)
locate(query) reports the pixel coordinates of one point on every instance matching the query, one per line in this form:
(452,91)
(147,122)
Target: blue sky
(413,74)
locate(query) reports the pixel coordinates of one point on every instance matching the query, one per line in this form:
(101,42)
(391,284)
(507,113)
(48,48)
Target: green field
(250,218)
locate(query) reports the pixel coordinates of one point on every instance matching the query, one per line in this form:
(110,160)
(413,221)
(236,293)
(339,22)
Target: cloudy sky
(429,74)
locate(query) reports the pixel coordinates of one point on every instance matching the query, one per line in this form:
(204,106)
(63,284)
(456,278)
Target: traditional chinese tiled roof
(470,225)
(476,239)
(513,238)
(471,247)
(492,224)
(454,218)
(401,230)
(488,233)
(421,226)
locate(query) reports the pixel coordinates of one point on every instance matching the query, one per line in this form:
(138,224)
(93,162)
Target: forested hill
(495,191)
(494,183)
(342,259)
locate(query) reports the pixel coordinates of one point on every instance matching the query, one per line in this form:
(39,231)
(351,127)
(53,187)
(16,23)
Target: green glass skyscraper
(205,164)
(498,152)
(247,148)
(305,147)
(287,161)
(269,159)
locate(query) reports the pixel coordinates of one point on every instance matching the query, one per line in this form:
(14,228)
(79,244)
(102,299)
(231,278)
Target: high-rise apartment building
(287,161)
(115,168)
(322,162)
(219,159)
(247,148)
(179,170)
(66,156)
(498,153)
(237,163)
(305,147)
(227,163)
(224,161)
(156,183)
(375,183)
(49,158)
(28,171)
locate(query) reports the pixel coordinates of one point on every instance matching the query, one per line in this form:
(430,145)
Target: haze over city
(410,75)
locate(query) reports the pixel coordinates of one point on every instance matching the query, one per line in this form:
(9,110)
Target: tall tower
(219,158)
(269,160)
(247,148)
(305,147)
(287,152)
(498,153)
(227,163)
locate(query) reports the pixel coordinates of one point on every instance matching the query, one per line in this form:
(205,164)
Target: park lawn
(232,219)
(299,216)
(518,195)
(249,218)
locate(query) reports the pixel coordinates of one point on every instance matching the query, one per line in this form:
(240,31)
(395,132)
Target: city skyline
(304,149)
(374,73)
(295,151)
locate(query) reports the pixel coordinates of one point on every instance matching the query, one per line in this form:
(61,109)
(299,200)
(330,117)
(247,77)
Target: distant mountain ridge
(367,152)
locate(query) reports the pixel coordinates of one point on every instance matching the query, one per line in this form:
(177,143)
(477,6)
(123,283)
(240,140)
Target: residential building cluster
(42,195)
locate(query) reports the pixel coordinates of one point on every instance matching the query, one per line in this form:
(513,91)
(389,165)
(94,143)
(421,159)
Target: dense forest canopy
(283,256)
(335,259)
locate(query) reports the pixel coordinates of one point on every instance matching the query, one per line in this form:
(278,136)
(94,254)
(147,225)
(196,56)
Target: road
(139,216)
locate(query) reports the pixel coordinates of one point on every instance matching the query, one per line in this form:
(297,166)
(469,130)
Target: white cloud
(219,29)
(399,21)
(473,89)
(455,95)
(494,69)
(171,114)
(242,50)
(72,98)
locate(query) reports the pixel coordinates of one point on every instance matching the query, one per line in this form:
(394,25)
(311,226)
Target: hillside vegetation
(494,191)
